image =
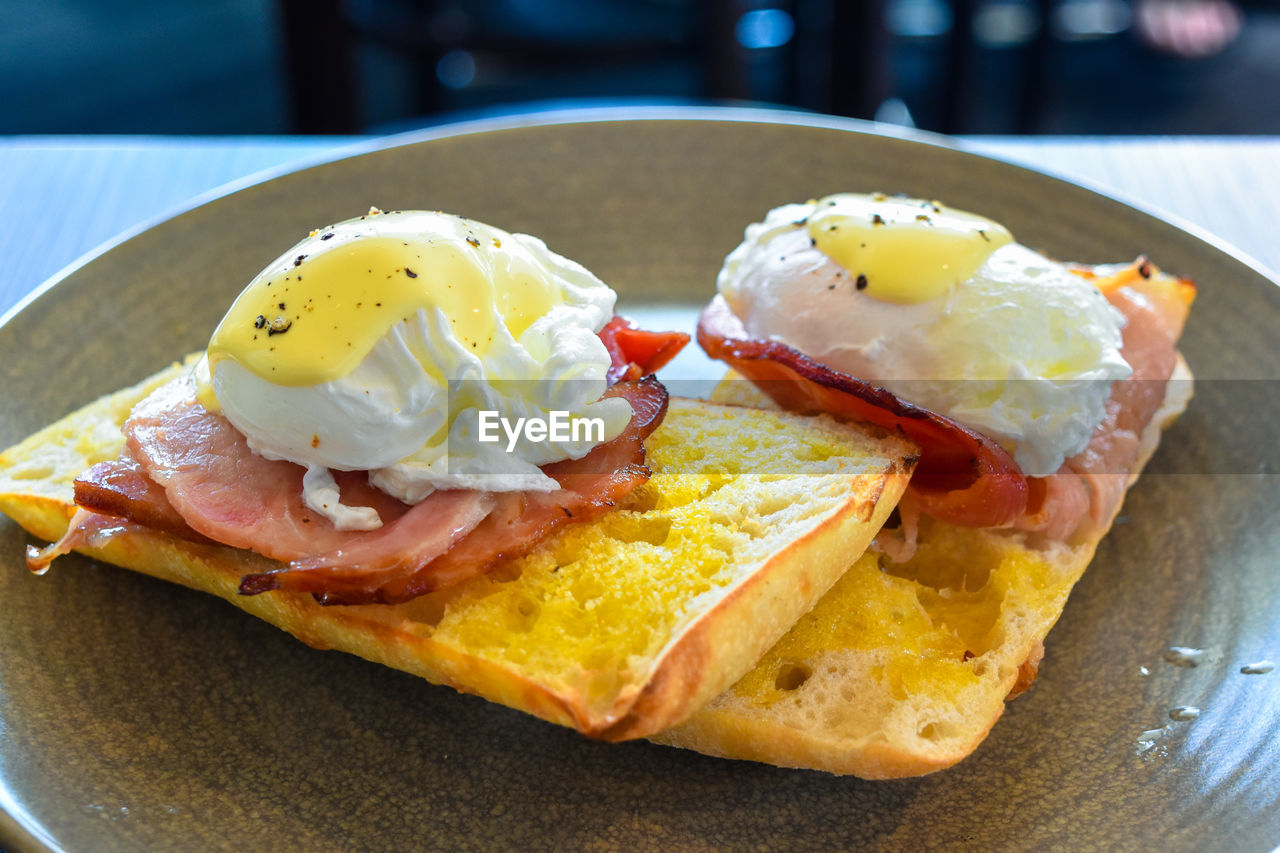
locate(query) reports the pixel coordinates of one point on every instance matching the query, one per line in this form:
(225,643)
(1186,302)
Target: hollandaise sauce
(314,314)
(902,250)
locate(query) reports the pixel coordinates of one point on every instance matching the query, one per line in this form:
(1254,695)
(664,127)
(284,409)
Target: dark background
(336,66)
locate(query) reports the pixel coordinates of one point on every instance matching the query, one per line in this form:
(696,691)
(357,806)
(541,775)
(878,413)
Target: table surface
(62,196)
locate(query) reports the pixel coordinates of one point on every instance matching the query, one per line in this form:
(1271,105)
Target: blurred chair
(527,38)
(828,55)
(1029,89)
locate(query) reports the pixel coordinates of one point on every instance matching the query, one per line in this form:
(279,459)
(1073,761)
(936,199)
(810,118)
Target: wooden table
(60,197)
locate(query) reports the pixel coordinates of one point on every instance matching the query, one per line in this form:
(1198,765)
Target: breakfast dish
(601,585)
(628,568)
(215,729)
(341,360)
(1036,393)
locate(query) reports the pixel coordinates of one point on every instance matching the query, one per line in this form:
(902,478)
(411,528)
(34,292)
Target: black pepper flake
(297,262)
(800,223)
(410,273)
(326,236)
(279,326)
(831,287)
(280,305)
(259,322)
(812,242)
(861,283)
(877,219)
(984,235)
(1144,268)
(567,512)
(473,241)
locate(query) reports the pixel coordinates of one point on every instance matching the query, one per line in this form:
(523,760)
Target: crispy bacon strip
(963,476)
(119,488)
(636,352)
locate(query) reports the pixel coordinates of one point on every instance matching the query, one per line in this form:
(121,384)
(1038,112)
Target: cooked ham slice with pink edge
(590,487)
(228,493)
(188,471)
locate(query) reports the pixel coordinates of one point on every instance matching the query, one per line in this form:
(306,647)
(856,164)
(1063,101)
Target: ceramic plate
(137,715)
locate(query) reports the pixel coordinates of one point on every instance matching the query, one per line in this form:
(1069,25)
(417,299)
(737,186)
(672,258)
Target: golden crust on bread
(902,669)
(618,628)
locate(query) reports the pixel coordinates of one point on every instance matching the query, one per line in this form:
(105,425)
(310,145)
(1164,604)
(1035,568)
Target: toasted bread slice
(902,669)
(618,628)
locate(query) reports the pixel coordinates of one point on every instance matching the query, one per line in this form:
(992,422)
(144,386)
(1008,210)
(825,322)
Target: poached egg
(374,344)
(940,307)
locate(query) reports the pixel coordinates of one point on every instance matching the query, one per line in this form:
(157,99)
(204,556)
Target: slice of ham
(451,536)
(228,493)
(208,472)
(86,529)
(590,487)
(369,560)
(188,472)
(962,476)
